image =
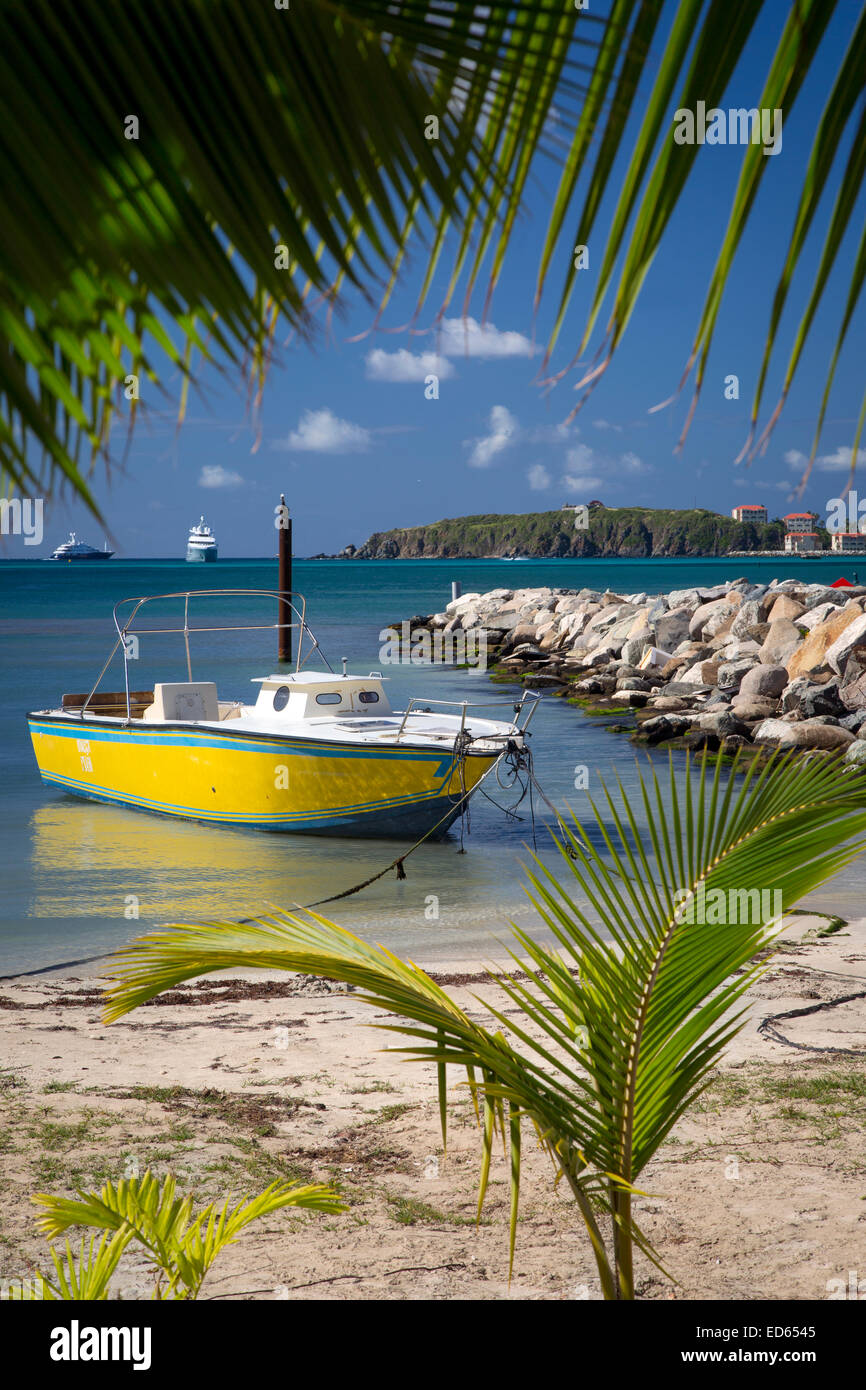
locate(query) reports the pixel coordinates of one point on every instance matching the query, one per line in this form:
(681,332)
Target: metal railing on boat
(285,599)
(464,705)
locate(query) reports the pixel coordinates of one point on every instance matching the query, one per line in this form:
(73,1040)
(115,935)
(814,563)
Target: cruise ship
(202,543)
(77,550)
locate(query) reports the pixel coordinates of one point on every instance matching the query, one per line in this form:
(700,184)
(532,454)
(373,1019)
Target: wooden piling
(284,583)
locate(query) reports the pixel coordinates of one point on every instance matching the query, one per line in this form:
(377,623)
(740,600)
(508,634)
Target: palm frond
(151,255)
(180,1246)
(85,1277)
(603,1061)
(256,129)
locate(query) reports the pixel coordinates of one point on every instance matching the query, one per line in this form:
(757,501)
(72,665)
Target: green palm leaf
(180,1246)
(146,257)
(257,128)
(85,1278)
(619,1030)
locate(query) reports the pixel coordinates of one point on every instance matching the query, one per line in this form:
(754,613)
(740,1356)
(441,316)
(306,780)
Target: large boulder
(684,598)
(737,650)
(822,596)
(633,649)
(817,614)
(852,691)
(793,694)
(764,682)
(620,631)
(794,587)
(753,707)
(786,607)
(821,700)
(664,726)
(780,643)
(686,689)
(606,617)
(806,734)
(464,601)
(571,603)
(852,639)
(751,620)
(672,627)
(521,632)
(724,723)
(719,624)
(812,655)
(731,674)
(856,752)
(702,673)
(713,614)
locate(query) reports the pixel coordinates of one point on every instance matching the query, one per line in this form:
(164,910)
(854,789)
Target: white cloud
(589,469)
(630,463)
(757,484)
(503,429)
(837,462)
(406,366)
(214,475)
(582,481)
(452,338)
(539,478)
(606,425)
(468,338)
(322,432)
(840,460)
(580,459)
(584,459)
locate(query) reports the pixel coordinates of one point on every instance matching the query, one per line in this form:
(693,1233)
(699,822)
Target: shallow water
(76,872)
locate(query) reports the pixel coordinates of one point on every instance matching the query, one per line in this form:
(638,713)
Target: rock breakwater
(777,666)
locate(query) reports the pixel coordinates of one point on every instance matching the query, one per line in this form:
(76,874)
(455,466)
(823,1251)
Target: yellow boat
(317,752)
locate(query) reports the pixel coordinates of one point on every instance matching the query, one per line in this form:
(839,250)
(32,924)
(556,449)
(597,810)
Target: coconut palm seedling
(179,1246)
(622,1022)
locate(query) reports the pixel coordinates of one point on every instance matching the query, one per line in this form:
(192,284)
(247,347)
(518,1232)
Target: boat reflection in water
(108,862)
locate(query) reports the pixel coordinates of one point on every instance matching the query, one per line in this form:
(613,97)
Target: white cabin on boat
(314,694)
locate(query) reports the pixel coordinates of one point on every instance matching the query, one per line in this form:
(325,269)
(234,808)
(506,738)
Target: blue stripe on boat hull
(398,822)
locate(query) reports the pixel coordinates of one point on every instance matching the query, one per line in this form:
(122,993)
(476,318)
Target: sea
(81,878)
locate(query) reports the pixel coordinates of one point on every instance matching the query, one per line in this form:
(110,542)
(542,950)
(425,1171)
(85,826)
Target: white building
(750,511)
(848,540)
(801,540)
(799,521)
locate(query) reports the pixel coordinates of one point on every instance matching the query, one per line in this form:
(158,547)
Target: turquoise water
(76,872)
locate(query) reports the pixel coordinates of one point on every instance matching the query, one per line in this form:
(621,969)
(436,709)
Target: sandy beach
(239,1079)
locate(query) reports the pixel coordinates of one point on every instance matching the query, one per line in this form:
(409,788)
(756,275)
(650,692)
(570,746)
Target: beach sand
(236,1080)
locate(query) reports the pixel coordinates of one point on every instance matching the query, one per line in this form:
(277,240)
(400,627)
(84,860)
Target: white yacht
(74,549)
(202,543)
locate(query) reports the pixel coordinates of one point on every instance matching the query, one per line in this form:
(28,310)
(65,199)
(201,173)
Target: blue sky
(348,435)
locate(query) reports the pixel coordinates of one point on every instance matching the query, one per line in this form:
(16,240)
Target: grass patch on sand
(411,1211)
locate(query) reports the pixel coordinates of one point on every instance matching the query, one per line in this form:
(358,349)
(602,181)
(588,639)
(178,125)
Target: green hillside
(636,532)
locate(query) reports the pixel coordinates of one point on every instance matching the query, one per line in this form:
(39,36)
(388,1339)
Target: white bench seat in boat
(183,700)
